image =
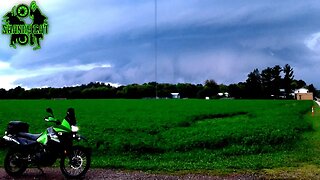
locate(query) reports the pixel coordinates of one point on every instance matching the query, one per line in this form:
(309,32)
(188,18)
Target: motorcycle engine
(43,157)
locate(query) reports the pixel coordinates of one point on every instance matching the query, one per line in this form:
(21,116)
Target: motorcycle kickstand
(42,172)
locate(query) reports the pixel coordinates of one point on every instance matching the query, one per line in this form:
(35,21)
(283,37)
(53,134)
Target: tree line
(271,83)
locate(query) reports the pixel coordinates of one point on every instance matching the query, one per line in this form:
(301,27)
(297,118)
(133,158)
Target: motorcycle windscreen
(64,127)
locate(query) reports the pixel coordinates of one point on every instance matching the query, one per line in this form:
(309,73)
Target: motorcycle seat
(29,136)
(25,141)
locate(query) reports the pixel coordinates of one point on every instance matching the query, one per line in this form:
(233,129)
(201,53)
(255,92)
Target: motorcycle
(43,150)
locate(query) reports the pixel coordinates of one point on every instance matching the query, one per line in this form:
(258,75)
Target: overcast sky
(113,41)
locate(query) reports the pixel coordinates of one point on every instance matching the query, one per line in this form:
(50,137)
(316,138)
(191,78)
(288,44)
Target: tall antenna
(156,45)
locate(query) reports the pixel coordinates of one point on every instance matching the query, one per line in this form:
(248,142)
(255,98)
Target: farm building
(175,95)
(223,94)
(303,94)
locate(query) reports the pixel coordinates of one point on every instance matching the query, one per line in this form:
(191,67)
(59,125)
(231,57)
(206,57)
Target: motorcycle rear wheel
(76,163)
(14,164)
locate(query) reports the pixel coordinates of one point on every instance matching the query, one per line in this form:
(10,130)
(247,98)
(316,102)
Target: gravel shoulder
(54,173)
(306,172)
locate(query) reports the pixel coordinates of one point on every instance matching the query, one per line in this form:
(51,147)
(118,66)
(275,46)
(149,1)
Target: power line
(156,45)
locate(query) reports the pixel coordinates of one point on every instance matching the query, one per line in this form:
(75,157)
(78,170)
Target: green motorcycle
(39,150)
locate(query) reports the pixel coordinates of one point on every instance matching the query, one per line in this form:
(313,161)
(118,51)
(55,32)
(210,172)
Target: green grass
(171,135)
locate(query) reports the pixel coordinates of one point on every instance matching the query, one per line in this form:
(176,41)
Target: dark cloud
(197,40)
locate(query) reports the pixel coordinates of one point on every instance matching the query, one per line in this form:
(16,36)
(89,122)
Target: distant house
(226,94)
(175,95)
(282,93)
(303,94)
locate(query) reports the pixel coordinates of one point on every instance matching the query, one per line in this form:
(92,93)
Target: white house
(301,90)
(303,94)
(175,95)
(223,94)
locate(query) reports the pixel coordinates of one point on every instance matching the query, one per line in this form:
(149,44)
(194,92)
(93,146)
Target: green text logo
(22,33)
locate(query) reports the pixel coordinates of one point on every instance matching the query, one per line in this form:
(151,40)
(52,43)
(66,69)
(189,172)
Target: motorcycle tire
(76,163)
(14,164)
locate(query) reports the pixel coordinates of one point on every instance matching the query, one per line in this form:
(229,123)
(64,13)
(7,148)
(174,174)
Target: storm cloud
(114,41)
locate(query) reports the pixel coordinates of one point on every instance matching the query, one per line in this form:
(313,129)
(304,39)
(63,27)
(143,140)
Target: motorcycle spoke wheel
(14,163)
(76,164)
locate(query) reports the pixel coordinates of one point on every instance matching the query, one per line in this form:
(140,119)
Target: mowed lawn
(186,134)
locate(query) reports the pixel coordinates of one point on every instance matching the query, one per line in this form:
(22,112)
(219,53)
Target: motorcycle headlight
(74,128)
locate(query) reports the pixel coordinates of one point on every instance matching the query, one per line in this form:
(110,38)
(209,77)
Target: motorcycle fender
(87,149)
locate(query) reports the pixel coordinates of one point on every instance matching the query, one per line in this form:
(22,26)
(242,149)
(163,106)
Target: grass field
(193,135)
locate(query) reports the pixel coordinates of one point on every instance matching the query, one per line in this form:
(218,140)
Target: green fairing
(43,139)
(64,127)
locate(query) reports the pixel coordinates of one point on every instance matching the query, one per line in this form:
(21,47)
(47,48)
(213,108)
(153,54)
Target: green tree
(237,90)
(254,85)
(288,80)
(187,90)
(276,80)
(312,89)
(266,80)
(297,84)
(3,93)
(16,93)
(210,89)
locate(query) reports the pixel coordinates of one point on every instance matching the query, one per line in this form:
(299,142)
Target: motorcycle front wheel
(14,163)
(76,163)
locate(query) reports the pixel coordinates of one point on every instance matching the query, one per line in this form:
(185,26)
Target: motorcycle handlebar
(51,119)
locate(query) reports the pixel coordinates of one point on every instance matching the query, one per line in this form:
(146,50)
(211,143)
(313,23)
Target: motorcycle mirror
(49,110)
